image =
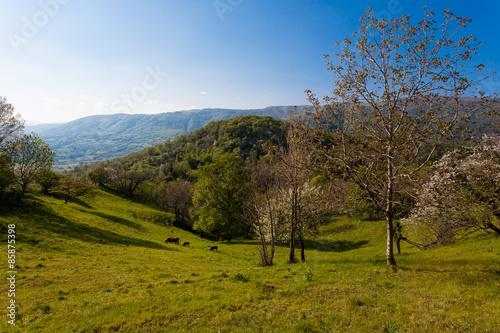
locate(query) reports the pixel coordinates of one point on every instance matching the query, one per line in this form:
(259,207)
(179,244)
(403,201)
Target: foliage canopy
(400,90)
(219,196)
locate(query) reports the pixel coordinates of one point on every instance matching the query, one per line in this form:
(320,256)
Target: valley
(98,138)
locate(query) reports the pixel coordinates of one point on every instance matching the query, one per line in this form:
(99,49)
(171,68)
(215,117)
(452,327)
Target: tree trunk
(271,257)
(293,224)
(177,213)
(420,246)
(273,241)
(493,227)
(24,188)
(302,249)
(263,253)
(398,245)
(130,190)
(292,247)
(391,261)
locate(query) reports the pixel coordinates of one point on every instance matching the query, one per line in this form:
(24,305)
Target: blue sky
(65,59)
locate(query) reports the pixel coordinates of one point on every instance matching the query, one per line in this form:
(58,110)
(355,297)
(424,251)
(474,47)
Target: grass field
(102,265)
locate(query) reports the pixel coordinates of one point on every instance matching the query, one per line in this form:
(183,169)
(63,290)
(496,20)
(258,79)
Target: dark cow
(214,248)
(185,244)
(172,240)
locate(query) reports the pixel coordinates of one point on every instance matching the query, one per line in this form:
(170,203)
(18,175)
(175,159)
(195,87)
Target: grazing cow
(185,244)
(172,240)
(214,248)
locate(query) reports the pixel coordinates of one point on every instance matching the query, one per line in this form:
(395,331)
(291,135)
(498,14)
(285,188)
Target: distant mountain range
(96,138)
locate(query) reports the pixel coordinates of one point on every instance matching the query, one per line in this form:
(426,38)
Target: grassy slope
(100,265)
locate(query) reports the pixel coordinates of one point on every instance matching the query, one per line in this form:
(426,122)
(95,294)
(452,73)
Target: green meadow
(101,265)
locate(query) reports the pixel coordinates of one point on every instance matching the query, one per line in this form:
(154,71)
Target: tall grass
(103,266)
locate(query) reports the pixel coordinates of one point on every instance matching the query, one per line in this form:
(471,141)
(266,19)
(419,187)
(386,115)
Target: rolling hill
(101,265)
(97,138)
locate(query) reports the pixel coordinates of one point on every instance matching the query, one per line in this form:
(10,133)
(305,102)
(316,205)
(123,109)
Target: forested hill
(182,156)
(98,138)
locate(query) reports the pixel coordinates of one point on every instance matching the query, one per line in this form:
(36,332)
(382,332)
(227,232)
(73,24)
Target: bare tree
(400,89)
(300,203)
(178,196)
(261,211)
(128,180)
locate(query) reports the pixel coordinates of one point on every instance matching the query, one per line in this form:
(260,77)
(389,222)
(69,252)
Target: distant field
(102,265)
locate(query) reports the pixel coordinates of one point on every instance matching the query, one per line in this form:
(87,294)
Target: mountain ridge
(101,137)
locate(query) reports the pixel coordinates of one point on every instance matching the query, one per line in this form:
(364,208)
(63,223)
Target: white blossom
(461,195)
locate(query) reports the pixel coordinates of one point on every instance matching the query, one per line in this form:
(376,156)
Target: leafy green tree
(7,176)
(400,89)
(219,196)
(72,187)
(98,176)
(29,154)
(47,179)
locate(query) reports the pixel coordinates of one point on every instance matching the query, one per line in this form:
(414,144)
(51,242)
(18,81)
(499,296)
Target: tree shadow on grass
(329,246)
(116,219)
(62,197)
(337,246)
(79,202)
(338,229)
(135,199)
(44,219)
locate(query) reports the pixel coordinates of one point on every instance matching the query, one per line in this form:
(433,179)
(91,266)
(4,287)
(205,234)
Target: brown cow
(172,240)
(185,244)
(214,248)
